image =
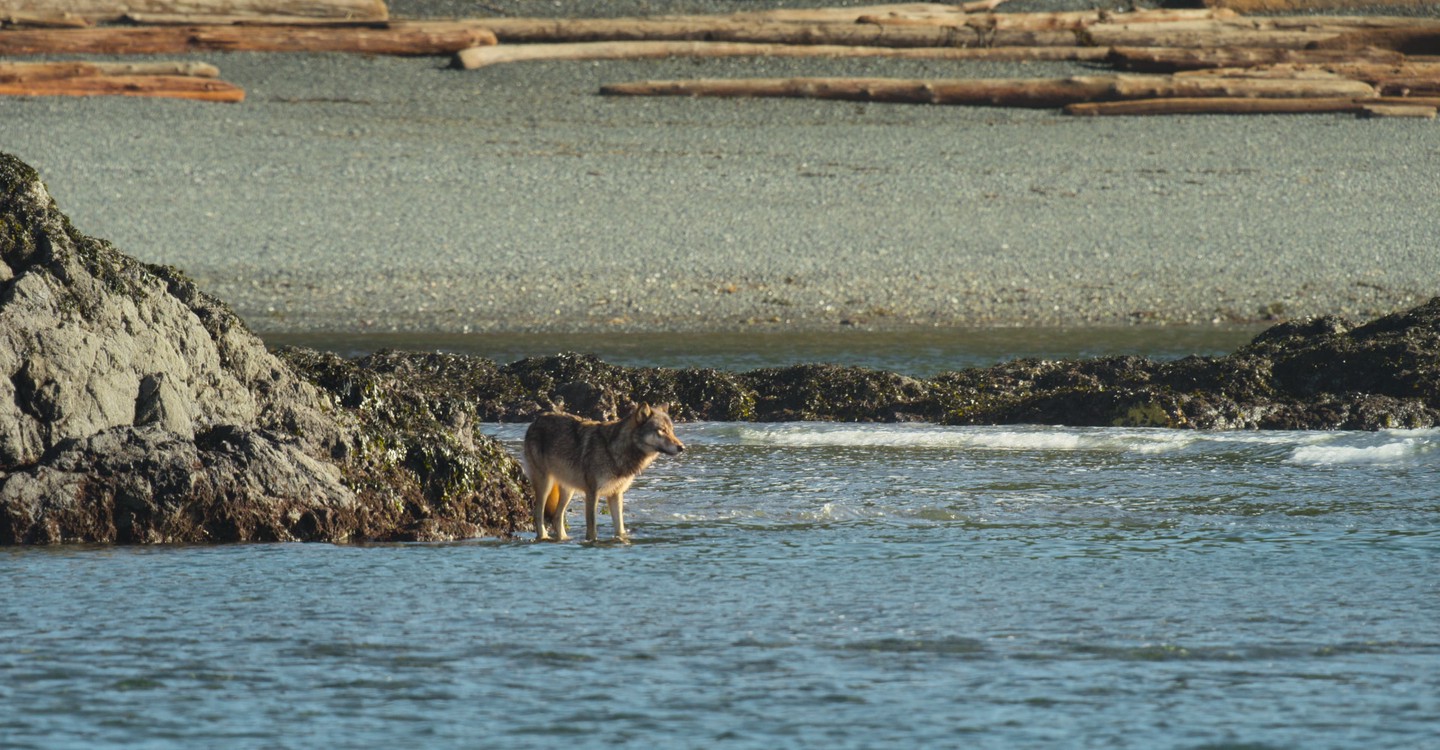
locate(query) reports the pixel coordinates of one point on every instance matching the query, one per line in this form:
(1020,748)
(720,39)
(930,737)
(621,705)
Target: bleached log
(26,72)
(1398,110)
(1214,106)
(396,39)
(1007,92)
(480,57)
(1070,20)
(728,29)
(171,87)
(1201,34)
(1251,106)
(41,20)
(111,10)
(1281,6)
(1170,59)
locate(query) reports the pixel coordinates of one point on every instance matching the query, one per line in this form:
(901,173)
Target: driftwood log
(166,86)
(1171,59)
(416,38)
(479,57)
(113,10)
(1376,107)
(731,29)
(1005,92)
(30,72)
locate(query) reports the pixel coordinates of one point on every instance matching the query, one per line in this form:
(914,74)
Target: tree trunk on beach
(479,57)
(395,39)
(164,86)
(727,29)
(1171,59)
(111,10)
(1011,92)
(22,72)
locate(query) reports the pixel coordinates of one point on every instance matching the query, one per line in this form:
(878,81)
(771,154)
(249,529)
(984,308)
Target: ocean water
(796,586)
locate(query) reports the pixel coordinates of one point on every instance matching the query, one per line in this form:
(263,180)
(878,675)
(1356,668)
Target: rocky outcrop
(136,408)
(1321,374)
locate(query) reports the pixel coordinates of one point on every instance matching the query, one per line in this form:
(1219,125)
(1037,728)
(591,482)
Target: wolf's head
(654,430)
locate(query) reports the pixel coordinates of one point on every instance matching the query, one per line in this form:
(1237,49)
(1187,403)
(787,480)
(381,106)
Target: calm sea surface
(796,585)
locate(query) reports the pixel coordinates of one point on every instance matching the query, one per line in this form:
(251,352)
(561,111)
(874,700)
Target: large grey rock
(136,408)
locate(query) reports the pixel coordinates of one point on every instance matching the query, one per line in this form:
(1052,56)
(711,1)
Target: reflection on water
(920,353)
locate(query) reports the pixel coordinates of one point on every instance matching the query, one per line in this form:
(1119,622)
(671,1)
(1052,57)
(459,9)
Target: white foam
(1042,439)
(1398,451)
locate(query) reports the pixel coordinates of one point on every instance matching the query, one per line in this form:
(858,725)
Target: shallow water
(920,353)
(795,585)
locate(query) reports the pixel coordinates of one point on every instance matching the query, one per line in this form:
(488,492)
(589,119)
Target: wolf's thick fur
(565,454)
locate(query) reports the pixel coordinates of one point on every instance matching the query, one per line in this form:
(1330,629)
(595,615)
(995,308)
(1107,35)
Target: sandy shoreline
(361,194)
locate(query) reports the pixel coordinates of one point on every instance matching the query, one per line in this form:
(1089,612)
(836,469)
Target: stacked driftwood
(1164,61)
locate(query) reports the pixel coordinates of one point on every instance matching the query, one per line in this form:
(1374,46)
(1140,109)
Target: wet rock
(1321,373)
(136,408)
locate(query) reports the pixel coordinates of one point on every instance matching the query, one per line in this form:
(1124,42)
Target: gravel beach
(354,194)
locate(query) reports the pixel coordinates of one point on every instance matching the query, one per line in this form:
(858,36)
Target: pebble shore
(356,194)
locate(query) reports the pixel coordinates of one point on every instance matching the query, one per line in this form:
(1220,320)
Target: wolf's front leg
(617,514)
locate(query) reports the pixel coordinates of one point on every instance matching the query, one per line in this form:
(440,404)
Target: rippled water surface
(797,585)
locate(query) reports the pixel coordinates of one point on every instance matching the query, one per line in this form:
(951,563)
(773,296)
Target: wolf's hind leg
(592,501)
(544,487)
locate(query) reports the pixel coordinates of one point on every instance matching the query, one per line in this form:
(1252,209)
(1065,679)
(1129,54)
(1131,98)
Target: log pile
(1195,60)
(1167,61)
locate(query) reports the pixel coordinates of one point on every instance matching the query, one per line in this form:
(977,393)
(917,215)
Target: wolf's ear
(642,413)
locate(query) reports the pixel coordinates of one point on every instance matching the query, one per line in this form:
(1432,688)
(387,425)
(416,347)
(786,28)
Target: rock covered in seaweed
(1322,373)
(136,408)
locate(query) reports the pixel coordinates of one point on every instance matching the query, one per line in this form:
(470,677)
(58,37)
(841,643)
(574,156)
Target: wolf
(565,454)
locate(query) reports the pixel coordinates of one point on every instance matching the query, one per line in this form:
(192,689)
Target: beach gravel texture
(353,193)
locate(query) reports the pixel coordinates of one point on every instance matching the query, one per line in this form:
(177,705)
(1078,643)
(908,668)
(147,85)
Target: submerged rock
(136,408)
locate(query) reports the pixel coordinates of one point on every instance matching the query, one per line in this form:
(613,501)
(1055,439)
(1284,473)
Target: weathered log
(24,72)
(479,57)
(209,19)
(1398,110)
(1202,34)
(1171,59)
(1009,92)
(1420,40)
(110,10)
(1213,106)
(398,39)
(170,87)
(1252,106)
(729,29)
(1068,20)
(41,20)
(1422,76)
(1280,6)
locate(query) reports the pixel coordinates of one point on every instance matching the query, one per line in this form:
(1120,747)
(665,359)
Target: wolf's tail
(552,503)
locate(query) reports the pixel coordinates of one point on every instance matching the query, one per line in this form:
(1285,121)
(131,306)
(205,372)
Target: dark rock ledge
(134,408)
(1317,374)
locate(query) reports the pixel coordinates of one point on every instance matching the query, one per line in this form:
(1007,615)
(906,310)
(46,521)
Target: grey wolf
(565,454)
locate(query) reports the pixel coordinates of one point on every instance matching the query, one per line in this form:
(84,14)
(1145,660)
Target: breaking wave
(1383,448)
